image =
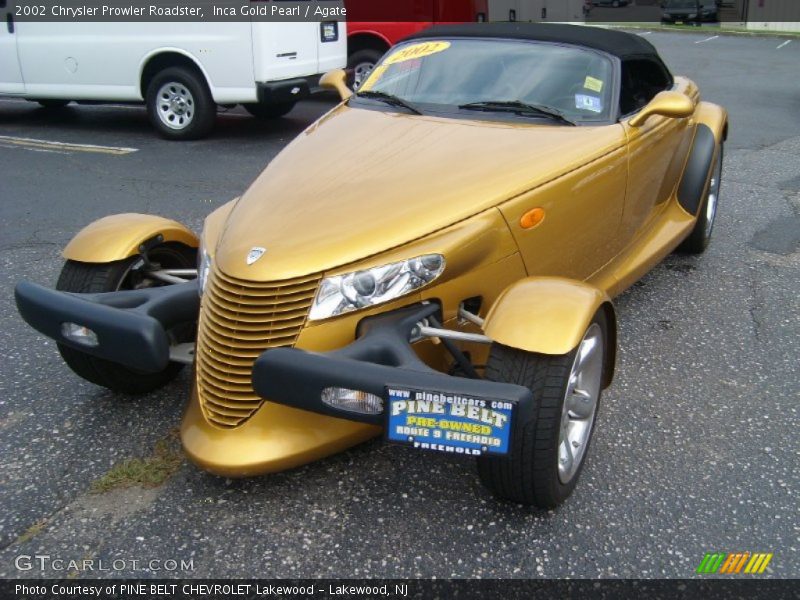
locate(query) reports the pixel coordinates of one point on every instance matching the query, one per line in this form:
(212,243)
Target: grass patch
(32,531)
(148,472)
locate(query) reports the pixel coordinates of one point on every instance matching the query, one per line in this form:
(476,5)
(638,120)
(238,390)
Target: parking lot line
(786,43)
(713,37)
(34,144)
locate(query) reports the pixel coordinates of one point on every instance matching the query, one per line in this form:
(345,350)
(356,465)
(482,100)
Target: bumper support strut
(381,357)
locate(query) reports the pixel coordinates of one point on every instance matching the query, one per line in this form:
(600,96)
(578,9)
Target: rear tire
(536,471)
(180,105)
(360,65)
(700,237)
(261,110)
(91,278)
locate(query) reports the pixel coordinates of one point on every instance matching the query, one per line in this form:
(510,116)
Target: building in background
(772,15)
(537,10)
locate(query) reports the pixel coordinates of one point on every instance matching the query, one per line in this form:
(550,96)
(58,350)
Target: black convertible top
(617,43)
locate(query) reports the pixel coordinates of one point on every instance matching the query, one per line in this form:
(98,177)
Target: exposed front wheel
(547,457)
(90,278)
(700,237)
(180,105)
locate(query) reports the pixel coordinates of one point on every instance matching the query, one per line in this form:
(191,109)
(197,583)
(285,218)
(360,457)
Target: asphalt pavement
(696,448)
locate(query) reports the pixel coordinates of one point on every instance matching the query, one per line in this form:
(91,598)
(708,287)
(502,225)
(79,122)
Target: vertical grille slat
(240,319)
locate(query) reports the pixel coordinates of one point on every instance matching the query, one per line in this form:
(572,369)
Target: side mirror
(667,104)
(336,80)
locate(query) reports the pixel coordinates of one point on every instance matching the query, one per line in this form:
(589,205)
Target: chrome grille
(239,320)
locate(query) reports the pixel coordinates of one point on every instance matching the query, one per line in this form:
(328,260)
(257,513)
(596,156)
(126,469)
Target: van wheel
(360,65)
(52,103)
(180,105)
(262,110)
(547,456)
(91,278)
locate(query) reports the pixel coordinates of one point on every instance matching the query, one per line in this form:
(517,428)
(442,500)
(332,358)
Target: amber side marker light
(532,218)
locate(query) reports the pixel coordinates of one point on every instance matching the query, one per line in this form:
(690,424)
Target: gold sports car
(432,260)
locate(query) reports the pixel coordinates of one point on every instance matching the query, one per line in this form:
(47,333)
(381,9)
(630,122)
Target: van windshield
(459,74)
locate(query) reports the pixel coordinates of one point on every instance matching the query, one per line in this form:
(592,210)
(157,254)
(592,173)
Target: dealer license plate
(442,422)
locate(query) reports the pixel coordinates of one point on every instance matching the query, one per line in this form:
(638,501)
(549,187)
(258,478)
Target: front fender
(549,315)
(119,236)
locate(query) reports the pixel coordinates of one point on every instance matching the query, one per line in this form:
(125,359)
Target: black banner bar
(687,12)
(395,589)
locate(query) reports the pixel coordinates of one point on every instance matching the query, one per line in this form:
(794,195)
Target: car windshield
(680,4)
(496,78)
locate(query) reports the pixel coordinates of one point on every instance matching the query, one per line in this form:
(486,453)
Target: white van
(182,71)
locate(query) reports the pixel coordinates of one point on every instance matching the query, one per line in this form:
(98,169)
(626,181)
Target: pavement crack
(37,527)
(22,245)
(754,307)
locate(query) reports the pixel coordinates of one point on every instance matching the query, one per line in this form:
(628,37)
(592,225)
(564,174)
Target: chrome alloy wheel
(175,105)
(713,196)
(580,403)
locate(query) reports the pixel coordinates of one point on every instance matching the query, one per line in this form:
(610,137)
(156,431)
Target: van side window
(641,80)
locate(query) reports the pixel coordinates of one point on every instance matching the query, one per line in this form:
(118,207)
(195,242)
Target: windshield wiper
(388,99)
(518,107)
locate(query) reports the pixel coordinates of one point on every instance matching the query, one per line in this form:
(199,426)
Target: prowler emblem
(255,254)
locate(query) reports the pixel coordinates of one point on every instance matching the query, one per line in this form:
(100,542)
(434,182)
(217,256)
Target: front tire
(92,278)
(546,459)
(700,237)
(180,105)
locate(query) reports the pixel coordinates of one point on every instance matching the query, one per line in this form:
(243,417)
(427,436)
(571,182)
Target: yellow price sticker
(416,51)
(596,85)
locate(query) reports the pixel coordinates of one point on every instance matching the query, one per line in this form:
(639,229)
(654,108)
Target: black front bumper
(131,329)
(287,90)
(131,326)
(380,359)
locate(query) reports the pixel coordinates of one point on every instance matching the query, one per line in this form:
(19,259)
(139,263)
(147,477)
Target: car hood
(358,182)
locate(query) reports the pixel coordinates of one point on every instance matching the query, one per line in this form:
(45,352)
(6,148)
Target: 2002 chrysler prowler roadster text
(434,258)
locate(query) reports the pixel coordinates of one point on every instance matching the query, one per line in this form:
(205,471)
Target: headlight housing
(341,294)
(203,268)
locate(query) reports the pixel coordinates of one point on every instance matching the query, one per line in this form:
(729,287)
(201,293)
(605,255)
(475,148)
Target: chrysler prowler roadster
(433,260)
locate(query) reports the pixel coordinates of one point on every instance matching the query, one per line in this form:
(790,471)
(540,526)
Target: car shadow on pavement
(30,120)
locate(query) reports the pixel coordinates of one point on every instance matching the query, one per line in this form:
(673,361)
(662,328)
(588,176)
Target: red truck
(376,26)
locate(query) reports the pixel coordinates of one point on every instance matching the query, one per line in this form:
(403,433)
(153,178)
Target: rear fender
(711,130)
(119,236)
(549,315)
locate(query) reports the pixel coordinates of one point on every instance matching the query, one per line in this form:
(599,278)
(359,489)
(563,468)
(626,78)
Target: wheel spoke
(565,455)
(585,351)
(580,404)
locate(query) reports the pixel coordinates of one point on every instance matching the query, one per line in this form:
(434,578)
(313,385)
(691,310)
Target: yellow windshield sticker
(593,84)
(416,51)
(374,76)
